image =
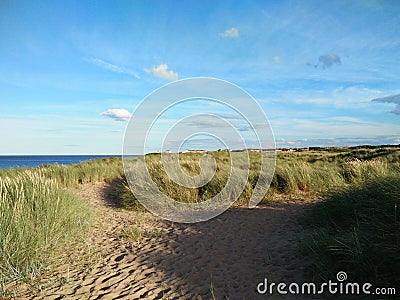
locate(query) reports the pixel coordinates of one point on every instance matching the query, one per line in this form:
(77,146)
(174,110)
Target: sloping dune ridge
(223,258)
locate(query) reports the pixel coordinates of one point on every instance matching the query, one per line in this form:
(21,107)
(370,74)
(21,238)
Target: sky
(72,73)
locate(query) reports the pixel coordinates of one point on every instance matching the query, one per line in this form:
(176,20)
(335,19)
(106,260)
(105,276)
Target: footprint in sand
(223,258)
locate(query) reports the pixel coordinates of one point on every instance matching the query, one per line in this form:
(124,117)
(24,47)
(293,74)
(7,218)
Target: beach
(224,257)
(78,231)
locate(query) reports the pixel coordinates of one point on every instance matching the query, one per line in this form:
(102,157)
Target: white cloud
(232,32)
(228,116)
(207,122)
(341,141)
(328,128)
(111,67)
(118,114)
(161,71)
(347,119)
(341,97)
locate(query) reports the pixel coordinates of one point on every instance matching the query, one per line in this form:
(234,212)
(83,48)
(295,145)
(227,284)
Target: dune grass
(298,175)
(356,226)
(360,188)
(36,217)
(38,214)
(104,169)
(357,230)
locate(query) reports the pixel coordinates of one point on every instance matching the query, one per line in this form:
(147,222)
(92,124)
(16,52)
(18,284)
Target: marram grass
(38,214)
(357,230)
(298,175)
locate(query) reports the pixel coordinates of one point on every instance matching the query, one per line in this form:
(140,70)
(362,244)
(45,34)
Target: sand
(223,258)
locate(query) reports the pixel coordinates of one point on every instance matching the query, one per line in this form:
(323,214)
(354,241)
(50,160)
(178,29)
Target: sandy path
(224,258)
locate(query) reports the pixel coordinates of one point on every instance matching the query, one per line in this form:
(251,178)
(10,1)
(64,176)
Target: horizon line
(276,148)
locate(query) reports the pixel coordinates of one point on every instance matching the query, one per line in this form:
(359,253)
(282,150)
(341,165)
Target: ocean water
(28,161)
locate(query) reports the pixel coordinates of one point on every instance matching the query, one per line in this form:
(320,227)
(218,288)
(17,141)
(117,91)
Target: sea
(30,161)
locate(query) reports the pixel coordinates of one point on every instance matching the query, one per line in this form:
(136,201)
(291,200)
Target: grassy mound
(36,217)
(357,230)
(38,214)
(298,175)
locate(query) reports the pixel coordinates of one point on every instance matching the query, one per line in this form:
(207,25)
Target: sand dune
(224,258)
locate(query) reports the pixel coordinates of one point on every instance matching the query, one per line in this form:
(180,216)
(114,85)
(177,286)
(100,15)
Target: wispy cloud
(207,122)
(231,33)
(340,141)
(227,116)
(339,97)
(111,67)
(161,71)
(222,121)
(394,99)
(118,114)
(197,143)
(395,111)
(347,119)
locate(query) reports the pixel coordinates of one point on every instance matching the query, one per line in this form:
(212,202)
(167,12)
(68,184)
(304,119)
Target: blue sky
(72,72)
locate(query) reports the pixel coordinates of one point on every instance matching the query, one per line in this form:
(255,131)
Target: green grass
(357,230)
(36,217)
(105,169)
(298,175)
(38,214)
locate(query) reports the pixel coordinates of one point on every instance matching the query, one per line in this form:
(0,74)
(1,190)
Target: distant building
(195,150)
